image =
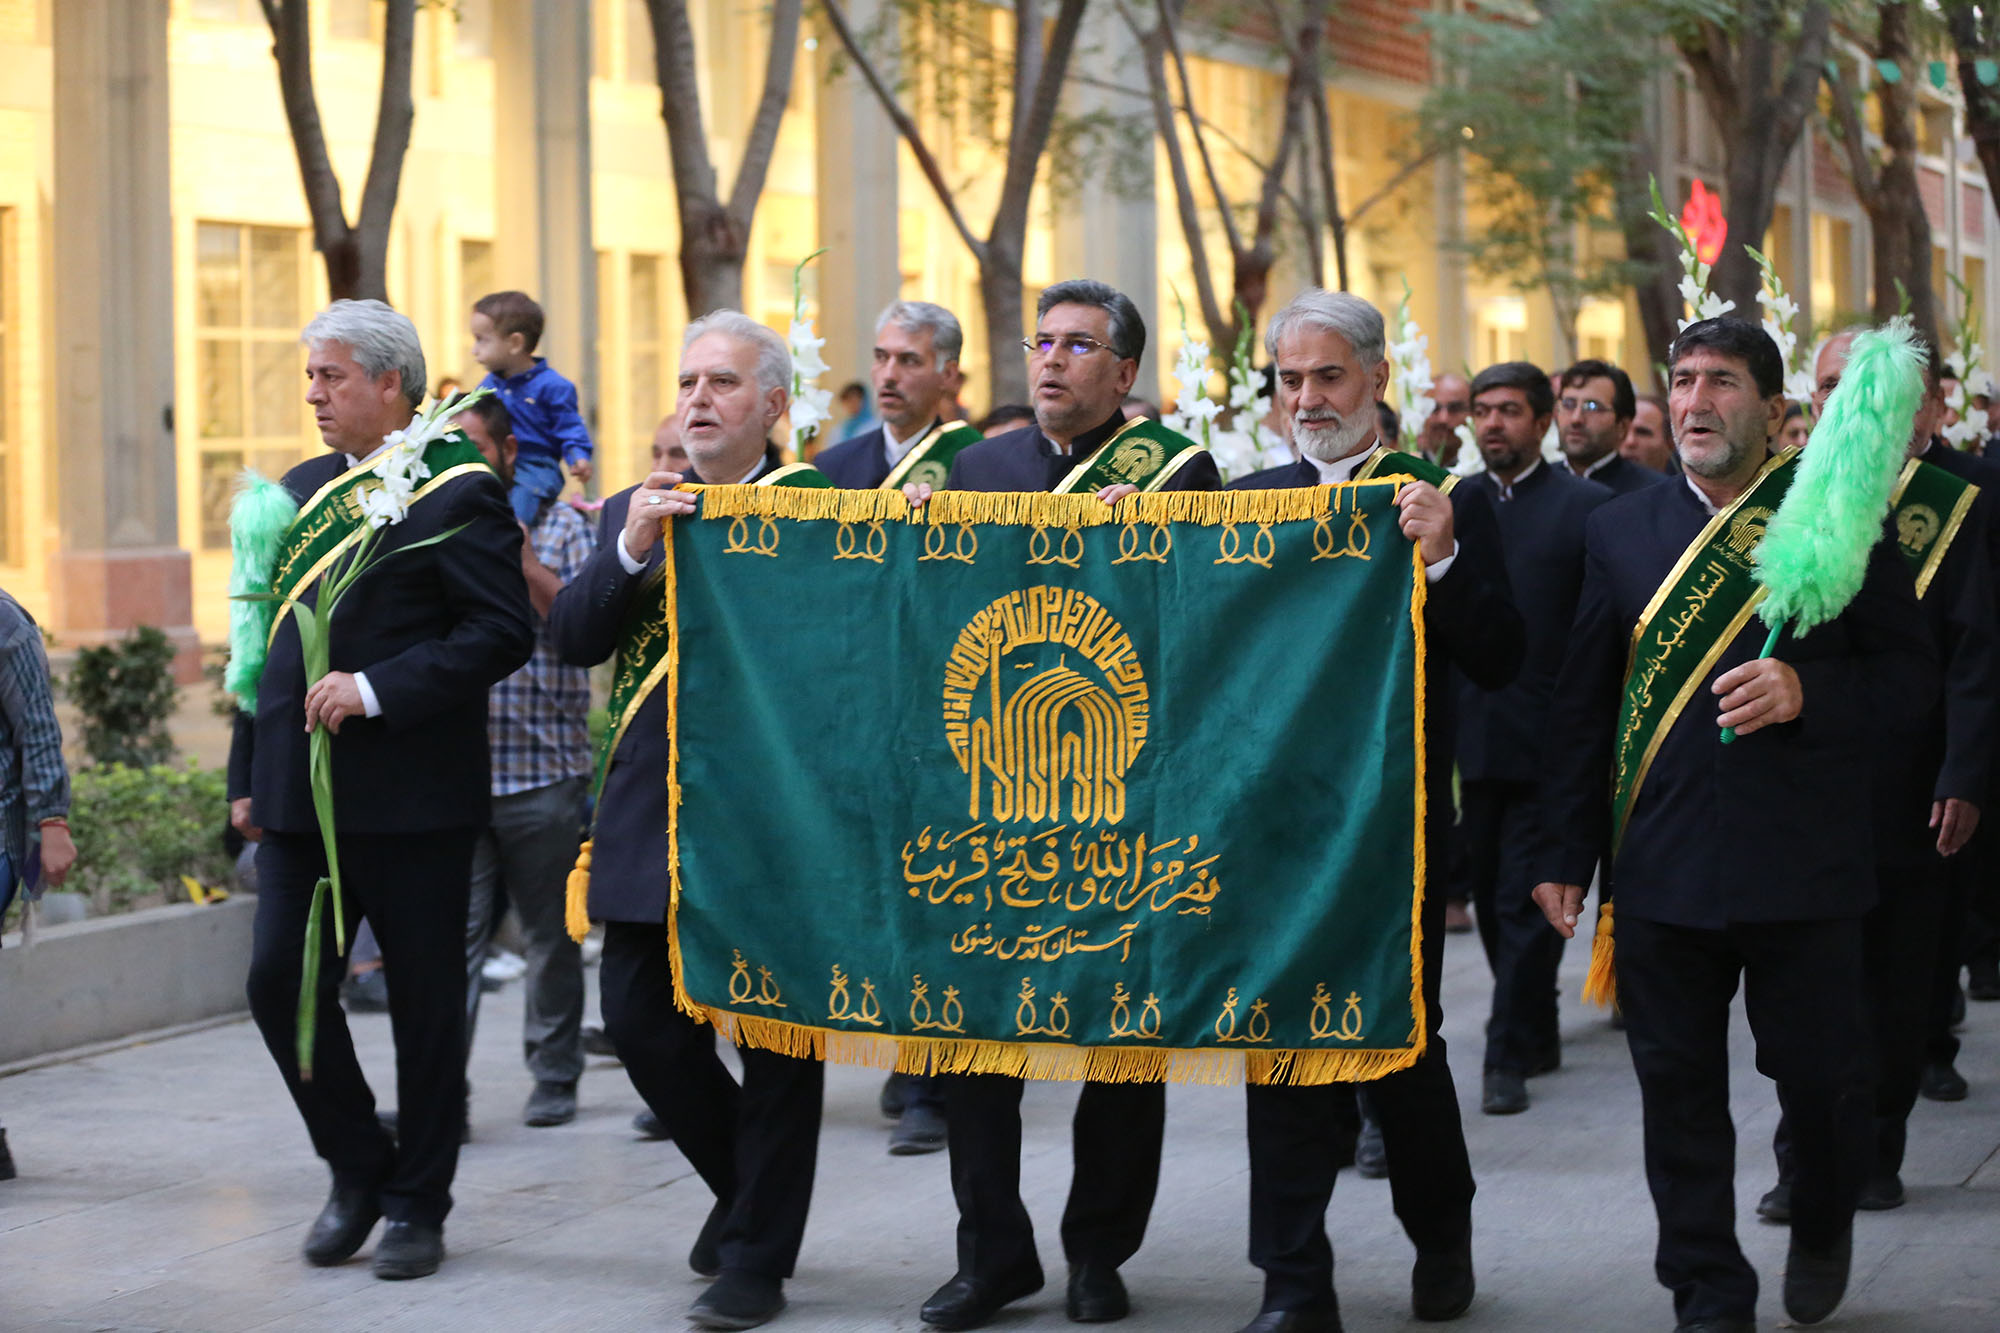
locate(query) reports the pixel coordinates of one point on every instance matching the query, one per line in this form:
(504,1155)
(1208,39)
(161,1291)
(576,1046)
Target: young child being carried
(506,326)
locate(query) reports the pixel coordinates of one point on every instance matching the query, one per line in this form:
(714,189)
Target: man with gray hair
(754,1146)
(415,645)
(915,367)
(1328,347)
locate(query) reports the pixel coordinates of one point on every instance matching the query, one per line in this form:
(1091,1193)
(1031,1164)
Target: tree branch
(762,141)
(1200,140)
(1031,137)
(680,104)
(291,47)
(1846,101)
(394,114)
(926,160)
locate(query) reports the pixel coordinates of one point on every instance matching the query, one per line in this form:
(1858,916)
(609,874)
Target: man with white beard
(1328,350)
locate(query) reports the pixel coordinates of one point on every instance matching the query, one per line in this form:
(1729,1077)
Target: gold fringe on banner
(576,896)
(1600,983)
(1420,853)
(1031,507)
(1057,1063)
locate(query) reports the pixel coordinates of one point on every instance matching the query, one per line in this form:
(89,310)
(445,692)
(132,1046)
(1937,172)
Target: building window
(649,397)
(250,302)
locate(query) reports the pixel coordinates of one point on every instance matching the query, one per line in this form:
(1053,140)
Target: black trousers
(757,1146)
(412,888)
(1116,1138)
(1963,935)
(1300,1137)
(1497,830)
(1803,991)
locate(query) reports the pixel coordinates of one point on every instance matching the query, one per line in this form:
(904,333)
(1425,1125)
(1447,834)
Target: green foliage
(138,830)
(126,693)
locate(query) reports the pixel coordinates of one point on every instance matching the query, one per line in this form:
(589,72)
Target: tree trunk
(1896,213)
(1000,293)
(713,249)
(1974,43)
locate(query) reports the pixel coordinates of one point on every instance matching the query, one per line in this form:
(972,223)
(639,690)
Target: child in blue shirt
(506,326)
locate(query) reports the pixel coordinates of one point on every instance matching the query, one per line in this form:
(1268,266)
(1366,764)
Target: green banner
(1928,508)
(1029,784)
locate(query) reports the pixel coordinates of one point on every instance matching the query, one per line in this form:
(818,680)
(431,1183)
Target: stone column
(855,173)
(1106,233)
(121,563)
(542,241)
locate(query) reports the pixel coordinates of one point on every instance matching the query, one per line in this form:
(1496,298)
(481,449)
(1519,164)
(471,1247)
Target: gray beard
(1331,442)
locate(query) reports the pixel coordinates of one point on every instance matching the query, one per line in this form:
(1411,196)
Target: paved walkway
(167,1186)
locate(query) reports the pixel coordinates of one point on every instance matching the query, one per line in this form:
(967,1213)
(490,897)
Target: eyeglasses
(1076,344)
(1590,406)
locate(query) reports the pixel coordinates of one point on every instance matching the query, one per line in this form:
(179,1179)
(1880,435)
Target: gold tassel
(1600,984)
(576,902)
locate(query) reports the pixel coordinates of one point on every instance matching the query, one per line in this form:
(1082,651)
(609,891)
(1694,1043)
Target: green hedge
(138,830)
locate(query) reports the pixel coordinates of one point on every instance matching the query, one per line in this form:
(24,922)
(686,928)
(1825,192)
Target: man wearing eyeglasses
(1082,361)
(1594,414)
(1541,511)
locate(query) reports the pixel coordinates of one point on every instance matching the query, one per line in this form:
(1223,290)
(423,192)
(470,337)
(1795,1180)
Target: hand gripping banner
(1029,784)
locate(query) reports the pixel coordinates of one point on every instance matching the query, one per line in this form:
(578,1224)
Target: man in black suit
(1931,788)
(1753,860)
(916,354)
(1328,350)
(1594,415)
(1082,361)
(1541,510)
(415,643)
(755,1147)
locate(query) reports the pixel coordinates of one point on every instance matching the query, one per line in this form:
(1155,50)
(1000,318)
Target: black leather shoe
(1776,1205)
(1503,1093)
(6,1158)
(1371,1159)
(895,1095)
(342,1226)
(920,1130)
(1096,1294)
(738,1300)
(968,1302)
(1717,1326)
(408,1249)
(649,1126)
(1320,1319)
(1441,1284)
(706,1256)
(1942,1083)
(550,1104)
(1816,1279)
(1882,1193)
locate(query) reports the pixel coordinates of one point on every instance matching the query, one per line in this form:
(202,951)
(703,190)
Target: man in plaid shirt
(537,724)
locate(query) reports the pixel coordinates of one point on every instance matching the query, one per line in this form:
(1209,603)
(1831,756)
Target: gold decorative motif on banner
(1041,550)
(1059,731)
(1156,548)
(739,542)
(950,1015)
(1325,547)
(868,1011)
(1026,1022)
(1262,547)
(742,990)
(1136,458)
(1121,1015)
(1917,526)
(963,548)
(872,547)
(1256,1029)
(1746,529)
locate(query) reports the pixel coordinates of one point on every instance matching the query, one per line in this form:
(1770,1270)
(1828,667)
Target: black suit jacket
(858,463)
(628,855)
(1470,623)
(1027,460)
(1774,827)
(1621,476)
(1541,548)
(433,629)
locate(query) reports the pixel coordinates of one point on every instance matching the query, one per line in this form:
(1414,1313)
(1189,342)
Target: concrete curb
(115,977)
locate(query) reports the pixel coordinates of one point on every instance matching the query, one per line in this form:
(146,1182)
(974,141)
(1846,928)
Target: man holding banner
(1328,348)
(915,362)
(1749,860)
(755,1147)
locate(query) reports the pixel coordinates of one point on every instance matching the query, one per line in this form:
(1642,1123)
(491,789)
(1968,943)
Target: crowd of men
(1826,859)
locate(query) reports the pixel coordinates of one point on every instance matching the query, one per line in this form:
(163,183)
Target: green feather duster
(1815,552)
(258,520)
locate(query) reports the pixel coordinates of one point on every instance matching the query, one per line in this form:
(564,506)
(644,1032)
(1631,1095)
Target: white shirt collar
(1340,469)
(1600,464)
(751,475)
(366,458)
(1689,482)
(1507,487)
(893,449)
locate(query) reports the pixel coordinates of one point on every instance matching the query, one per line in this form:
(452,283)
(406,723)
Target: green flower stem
(1770,646)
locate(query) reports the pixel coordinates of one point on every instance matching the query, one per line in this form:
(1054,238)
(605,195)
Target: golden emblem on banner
(1073,726)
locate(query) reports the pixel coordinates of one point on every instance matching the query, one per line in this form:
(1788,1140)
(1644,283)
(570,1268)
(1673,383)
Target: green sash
(1697,613)
(1386,462)
(643,640)
(929,461)
(332,521)
(1930,505)
(1140,453)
